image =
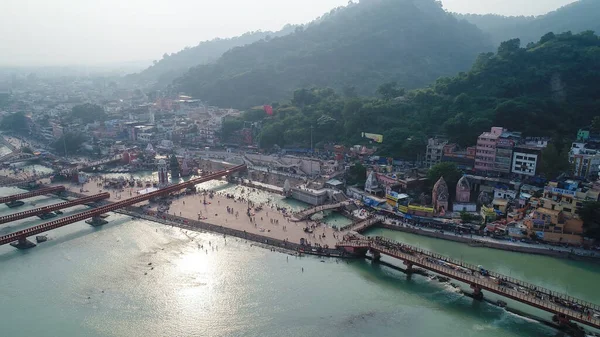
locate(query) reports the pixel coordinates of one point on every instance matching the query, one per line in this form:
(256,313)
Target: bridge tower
(163,173)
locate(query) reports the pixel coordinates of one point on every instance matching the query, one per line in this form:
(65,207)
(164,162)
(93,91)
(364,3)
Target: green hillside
(361,45)
(549,88)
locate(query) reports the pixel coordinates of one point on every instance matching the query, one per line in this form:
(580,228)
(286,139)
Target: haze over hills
(361,45)
(176,64)
(576,17)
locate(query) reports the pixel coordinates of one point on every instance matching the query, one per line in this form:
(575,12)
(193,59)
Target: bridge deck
(35,193)
(47,209)
(308,212)
(111,207)
(364,225)
(545,299)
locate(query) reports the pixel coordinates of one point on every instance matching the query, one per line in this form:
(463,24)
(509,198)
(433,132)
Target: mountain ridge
(576,17)
(361,45)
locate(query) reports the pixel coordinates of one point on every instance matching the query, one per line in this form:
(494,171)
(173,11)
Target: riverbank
(474,242)
(227,214)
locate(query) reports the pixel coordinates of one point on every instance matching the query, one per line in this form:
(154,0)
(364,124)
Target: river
(139,278)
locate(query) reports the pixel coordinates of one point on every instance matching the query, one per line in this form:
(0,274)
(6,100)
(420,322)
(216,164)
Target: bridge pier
(409,266)
(23,243)
(477,293)
(561,319)
(96,221)
(376,256)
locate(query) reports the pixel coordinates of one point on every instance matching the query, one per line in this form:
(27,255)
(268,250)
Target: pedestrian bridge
(565,308)
(308,212)
(19,239)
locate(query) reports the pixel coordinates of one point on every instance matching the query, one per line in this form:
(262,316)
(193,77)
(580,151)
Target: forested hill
(576,17)
(361,45)
(549,88)
(176,64)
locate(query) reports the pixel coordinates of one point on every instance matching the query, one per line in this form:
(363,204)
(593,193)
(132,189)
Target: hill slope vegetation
(361,45)
(549,88)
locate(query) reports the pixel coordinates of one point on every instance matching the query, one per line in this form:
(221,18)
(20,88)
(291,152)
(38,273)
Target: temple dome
(464,184)
(440,190)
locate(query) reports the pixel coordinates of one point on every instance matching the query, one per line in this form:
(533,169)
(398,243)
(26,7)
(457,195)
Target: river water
(139,278)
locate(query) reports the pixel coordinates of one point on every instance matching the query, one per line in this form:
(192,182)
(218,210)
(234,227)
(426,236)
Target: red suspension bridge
(565,308)
(41,191)
(21,236)
(55,207)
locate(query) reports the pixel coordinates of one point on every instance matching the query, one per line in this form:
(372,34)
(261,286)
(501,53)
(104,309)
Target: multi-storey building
(494,151)
(503,158)
(486,149)
(585,158)
(435,151)
(526,159)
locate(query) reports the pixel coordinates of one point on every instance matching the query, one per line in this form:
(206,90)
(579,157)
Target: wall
(308,197)
(467,207)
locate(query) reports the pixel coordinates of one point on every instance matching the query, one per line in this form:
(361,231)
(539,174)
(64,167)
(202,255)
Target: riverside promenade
(487,242)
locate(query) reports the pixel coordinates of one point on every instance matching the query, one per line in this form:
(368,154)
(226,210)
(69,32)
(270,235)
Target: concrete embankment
(479,243)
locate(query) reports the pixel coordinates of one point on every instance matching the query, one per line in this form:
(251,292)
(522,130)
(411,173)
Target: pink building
(486,149)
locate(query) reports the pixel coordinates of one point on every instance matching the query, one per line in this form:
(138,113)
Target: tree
(88,113)
(449,171)
(69,143)
(356,175)
(174,164)
(554,162)
(467,217)
(590,214)
(349,91)
(390,90)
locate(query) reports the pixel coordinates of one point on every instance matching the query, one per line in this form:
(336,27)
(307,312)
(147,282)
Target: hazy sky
(68,32)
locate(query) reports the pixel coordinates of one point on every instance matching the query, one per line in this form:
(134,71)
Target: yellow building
(488,214)
(566,200)
(555,226)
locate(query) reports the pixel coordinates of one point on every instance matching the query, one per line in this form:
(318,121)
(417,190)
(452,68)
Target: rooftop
(548,211)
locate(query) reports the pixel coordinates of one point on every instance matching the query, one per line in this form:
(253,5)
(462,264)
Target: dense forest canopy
(171,66)
(549,88)
(361,45)
(576,17)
